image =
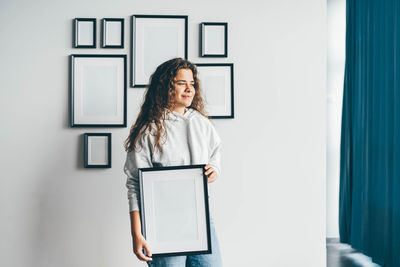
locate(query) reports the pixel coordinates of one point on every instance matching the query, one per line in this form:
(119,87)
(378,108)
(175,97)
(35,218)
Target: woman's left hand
(211,173)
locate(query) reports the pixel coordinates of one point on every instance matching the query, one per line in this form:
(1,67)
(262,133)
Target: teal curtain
(369,208)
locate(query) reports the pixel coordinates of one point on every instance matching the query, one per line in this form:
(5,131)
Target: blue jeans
(200,260)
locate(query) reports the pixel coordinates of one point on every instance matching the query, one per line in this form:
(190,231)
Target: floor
(342,255)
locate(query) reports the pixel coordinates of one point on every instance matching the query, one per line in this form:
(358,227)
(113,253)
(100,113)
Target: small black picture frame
(112,33)
(97,150)
(84,33)
(213,39)
(217,80)
(174,210)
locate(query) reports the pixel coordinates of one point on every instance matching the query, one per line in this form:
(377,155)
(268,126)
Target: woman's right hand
(139,243)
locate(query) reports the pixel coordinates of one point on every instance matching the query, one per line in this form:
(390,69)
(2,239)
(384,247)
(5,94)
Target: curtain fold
(369,201)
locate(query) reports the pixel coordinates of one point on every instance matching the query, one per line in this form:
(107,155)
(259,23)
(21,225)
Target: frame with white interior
(174,210)
(155,39)
(84,33)
(217,85)
(214,39)
(97,150)
(98,91)
(112,33)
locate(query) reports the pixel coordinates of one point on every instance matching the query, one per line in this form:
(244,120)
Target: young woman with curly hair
(171,129)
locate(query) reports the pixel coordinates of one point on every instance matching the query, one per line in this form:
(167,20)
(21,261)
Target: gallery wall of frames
(99,82)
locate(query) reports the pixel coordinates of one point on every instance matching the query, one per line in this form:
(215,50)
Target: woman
(171,129)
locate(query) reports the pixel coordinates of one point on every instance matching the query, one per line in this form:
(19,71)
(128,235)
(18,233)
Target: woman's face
(183,86)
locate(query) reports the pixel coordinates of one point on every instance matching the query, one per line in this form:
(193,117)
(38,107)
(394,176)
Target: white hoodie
(191,139)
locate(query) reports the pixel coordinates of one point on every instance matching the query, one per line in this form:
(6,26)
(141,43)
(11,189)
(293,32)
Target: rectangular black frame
(76,32)
(207,209)
(71,95)
(202,38)
(133,55)
(232,116)
(86,150)
(104,29)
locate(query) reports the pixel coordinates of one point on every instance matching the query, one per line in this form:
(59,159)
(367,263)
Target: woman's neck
(181,110)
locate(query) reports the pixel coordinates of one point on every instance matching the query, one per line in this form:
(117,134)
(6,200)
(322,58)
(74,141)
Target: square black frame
(71,95)
(104,29)
(230,65)
(86,150)
(133,54)
(207,209)
(76,32)
(202,39)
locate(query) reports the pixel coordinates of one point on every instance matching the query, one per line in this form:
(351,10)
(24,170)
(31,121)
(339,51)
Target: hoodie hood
(173,115)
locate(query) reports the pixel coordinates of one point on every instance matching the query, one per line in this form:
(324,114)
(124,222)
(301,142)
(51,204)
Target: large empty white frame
(174,210)
(155,39)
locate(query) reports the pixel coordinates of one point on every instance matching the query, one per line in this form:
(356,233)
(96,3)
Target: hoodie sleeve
(215,151)
(134,161)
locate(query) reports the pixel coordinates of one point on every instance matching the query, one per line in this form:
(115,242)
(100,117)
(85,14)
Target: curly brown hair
(158,99)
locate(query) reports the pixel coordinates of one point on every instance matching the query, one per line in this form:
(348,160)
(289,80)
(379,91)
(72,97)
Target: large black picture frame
(75,42)
(229,112)
(140,81)
(76,108)
(161,186)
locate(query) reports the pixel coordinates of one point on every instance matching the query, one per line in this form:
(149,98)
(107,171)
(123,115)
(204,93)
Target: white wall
(269,204)
(336,60)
